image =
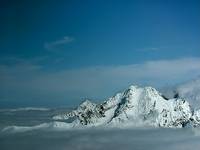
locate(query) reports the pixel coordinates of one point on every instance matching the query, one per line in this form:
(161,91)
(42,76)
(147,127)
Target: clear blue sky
(58,52)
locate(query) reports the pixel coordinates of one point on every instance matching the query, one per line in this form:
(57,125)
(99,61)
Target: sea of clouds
(35,131)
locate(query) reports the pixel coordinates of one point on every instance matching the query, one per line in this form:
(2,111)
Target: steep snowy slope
(196,118)
(135,106)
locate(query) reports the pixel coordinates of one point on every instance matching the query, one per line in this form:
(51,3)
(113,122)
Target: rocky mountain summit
(136,106)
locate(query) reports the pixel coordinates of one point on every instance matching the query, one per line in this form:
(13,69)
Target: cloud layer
(28,81)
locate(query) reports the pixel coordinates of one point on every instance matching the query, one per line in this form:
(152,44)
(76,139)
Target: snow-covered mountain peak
(136,104)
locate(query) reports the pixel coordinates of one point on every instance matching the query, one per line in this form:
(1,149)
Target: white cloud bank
(27,81)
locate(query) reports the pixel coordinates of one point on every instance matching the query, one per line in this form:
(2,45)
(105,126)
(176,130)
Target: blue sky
(59,52)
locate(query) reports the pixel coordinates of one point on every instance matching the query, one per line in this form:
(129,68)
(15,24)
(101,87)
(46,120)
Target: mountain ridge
(135,106)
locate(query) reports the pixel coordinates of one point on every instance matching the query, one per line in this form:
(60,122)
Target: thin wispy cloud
(153,49)
(55,44)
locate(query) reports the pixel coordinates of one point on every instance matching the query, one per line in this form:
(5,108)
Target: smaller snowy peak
(86,106)
(89,113)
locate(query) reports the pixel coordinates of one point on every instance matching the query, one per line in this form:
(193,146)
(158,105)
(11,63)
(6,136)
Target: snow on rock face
(147,105)
(177,114)
(133,106)
(196,118)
